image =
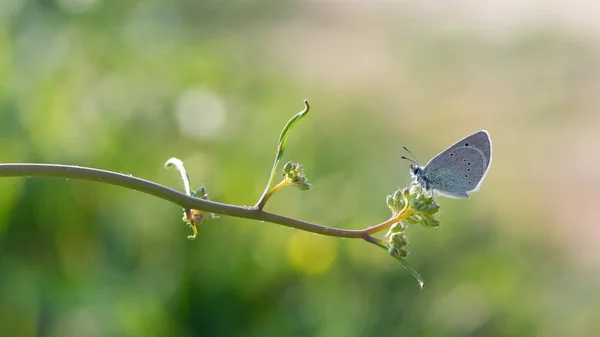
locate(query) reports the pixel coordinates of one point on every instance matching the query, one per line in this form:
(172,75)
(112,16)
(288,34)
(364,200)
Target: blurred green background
(124,85)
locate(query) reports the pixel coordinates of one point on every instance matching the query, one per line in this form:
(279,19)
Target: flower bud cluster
(294,175)
(194,217)
(421,209)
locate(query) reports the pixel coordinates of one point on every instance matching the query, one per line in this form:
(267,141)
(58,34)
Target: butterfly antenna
(414,160)
(410,160)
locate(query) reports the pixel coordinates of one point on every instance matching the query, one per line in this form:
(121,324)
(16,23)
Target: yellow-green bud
(288,167)
(398,228)
(430,222)
(397,240)
(390,201)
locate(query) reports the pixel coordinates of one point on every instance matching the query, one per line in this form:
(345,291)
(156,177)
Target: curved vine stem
(181,199)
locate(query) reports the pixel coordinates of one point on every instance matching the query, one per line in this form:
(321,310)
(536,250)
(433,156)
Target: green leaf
(178,164)
(412,271)
(283,141)
(286,131)
(404,264)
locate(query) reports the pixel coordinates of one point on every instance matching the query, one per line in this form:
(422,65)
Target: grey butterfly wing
(479,140)
(461,168)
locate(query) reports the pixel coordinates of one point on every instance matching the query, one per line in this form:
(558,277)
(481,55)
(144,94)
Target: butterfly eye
(466,144)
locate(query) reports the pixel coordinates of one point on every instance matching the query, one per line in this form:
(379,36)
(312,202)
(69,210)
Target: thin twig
(169,194)
(263,200)
(403,214)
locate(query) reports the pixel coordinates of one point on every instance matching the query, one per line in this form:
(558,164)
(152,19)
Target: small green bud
(201,193)
(433,208)
(390,201)
(397,196)
(288,167)
(412,220)
(398,240)
(194,217)
(395,201)
(430,222)
(398,228)
(294,174)
(415,189)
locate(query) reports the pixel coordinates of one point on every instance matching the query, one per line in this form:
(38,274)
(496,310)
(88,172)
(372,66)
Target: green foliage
(283,142)
(106,84)
(415,206)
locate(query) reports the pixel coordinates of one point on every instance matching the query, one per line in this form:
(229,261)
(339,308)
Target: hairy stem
(169,194)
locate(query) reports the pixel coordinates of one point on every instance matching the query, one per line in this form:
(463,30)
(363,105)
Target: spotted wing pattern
(461,168)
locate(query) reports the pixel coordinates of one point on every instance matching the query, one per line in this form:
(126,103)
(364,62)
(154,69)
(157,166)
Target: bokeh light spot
(200,113)
(311,254)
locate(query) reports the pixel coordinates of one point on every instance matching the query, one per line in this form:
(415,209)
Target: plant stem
(403,214)
(377,242)
(181,199)
(280,150)
(263,200)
